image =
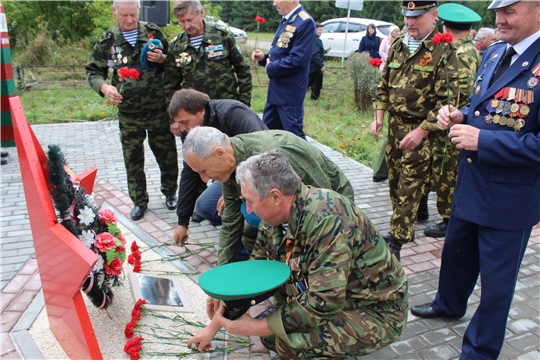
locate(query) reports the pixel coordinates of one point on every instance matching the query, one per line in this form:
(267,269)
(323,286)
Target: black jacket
(230,117)
(317,56)
(371,44)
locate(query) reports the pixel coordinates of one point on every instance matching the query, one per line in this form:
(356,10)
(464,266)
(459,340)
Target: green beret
(457,16)
(243,284)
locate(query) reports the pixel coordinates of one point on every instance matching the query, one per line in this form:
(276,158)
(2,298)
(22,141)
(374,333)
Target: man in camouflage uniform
(206,57)
(215,156)
(142,107)
(347,295)
(458,20)
(412,88)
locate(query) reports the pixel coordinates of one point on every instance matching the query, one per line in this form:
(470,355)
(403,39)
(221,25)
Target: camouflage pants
(444,183)
(351,333)
(408,175)
(133,130)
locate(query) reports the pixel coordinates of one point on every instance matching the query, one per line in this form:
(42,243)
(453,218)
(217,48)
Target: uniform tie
(505,64)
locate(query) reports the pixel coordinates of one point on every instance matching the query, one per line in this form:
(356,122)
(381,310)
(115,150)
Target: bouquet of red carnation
(126,75)
(375,62)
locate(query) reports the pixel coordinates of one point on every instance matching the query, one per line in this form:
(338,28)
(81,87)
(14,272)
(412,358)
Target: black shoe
(423,213)
(171,202)
(393,245)
(196,217)
(437,231)
(425,311)
(138,212)
(379,179)
(3,161)
(4,154)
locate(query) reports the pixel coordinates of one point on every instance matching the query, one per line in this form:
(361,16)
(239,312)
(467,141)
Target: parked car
(333,35)
(239,34)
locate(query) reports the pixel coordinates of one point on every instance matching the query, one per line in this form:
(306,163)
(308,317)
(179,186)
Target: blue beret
(150,45)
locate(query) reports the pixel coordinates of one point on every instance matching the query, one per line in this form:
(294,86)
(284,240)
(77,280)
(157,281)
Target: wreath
(97,229)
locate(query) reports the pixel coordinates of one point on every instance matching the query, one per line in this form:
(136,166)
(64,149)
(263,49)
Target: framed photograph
(160,293)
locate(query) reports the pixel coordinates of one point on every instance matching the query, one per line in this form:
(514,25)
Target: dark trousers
(469,250)
(285,117)
(315,83)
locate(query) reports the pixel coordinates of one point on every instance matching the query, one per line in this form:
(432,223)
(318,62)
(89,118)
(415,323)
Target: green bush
(365,79)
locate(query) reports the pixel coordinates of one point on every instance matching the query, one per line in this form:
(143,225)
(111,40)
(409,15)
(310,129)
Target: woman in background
(386,43)
(370,43)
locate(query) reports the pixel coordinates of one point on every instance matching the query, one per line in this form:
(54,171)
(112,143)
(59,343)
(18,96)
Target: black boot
(393,245)
(423,213)
(437,231)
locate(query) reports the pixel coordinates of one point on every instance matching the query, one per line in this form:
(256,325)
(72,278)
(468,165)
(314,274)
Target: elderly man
(412,88)
(190,108)
(484,38)
(215,156)
(206,57)
(457,21)
(287,66)
(497,196)
(347,294)
(142,108)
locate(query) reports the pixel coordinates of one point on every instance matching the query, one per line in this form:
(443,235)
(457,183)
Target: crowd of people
(462,122)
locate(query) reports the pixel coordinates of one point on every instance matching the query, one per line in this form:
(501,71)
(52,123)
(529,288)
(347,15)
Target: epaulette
(304,15)
(105,36)
(223,28)
(494,43)
(153,26)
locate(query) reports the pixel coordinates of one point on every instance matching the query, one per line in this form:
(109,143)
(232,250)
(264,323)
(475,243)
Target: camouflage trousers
(351,333)
(133,131)
(445,183)
(408,176)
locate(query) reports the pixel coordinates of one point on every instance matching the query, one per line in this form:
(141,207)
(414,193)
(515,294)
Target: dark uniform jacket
(218,69)
(112,52)
(317,56)
(371,44)
(503,176)
(289,54)
(230,117)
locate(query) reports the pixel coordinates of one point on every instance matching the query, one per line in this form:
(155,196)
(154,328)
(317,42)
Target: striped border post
(7,86)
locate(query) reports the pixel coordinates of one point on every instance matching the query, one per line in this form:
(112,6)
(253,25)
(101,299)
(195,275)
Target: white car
(239,34)
(333,35)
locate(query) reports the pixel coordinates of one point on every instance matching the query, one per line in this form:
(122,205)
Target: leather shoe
(423,213)
(393,245)
(138,212)
(4,161)
(171,202)
(437,231)
(196,217)
(379,179)
(4,153)
(425,311)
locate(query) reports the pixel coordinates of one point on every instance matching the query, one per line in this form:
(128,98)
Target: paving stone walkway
(97,144)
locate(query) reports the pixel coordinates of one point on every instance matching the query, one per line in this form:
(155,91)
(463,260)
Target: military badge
(183,59)
(532,83)
(425,60)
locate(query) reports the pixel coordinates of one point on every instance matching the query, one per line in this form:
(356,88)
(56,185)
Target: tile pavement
(97,144)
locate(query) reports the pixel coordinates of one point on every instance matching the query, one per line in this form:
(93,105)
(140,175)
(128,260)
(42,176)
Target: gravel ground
(109,324)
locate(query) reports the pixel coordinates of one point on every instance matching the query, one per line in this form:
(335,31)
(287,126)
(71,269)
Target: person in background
(393,34)
(412,88)
(287,66)
(484,38)
(316,65)
(497,198)
(347,294)
(457,21)
(473,35)
(141,101)
(370,43)
(190,108)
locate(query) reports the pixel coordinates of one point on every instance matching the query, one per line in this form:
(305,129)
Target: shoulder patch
(304,15)
(223,28)
(106,35)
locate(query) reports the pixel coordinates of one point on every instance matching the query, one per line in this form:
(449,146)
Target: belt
(402,120)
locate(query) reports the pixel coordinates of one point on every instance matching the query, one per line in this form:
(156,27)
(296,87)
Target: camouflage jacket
(468,62)
(112,52)
(413,86)
(218,69)
(313,167)
(340,259)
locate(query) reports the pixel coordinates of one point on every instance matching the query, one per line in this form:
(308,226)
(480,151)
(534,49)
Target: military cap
(497,4)
(318,25)
(416,8)
(150,45)
(243,284)
(457,16)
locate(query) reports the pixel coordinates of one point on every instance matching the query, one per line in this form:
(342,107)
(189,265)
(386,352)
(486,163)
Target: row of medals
(285,37)
(503,108)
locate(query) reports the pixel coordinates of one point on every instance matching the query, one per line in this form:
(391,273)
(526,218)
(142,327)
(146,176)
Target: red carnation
(259,19)
(375,62)
(439,38)
(124,73)
(130,327)
(133,347)
(135,74)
